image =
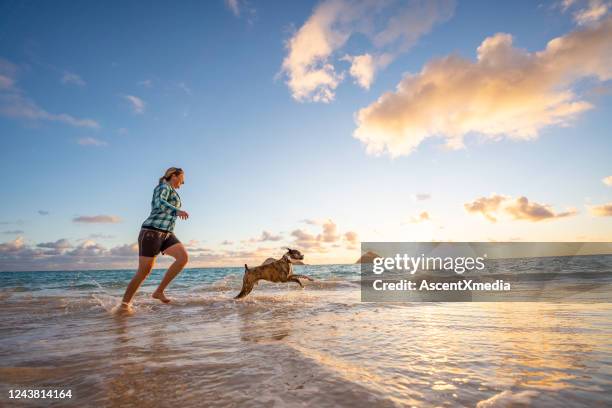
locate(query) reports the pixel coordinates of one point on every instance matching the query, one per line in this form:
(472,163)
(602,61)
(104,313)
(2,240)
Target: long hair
(169,173)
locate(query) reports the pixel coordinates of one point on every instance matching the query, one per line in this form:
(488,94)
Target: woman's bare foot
(124,309)
(160,296)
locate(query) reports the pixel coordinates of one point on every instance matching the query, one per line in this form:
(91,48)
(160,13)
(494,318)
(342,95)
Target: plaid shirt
(164,207)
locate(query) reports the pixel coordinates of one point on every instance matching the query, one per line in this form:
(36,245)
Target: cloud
(18,222)
(90,141)
(604,210)
(330,232)
(14,232)
(593,12)
(72,78)
(87,248)
(8,72)
(43,212)
(486,206)
(310,221)
(522,209)
(421,196)
(321,242)
(89,254)
(125,250)
(234,6)
(59,244)
(391,27)
(14,103)
(16,255)
(12,246)
(241,8)
(519,209)
(362,69)
(506,92)
(101,236)
(138,105)
(147,83)
(423,216)
(306,240)
(268,236)
(185,88)
(607,181)
(352,239)
(265,236)
(226,242)
(98,219)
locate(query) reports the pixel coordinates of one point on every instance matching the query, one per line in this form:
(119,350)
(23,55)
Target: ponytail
(169,173)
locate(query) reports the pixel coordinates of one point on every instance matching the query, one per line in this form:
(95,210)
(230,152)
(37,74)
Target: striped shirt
(164,208)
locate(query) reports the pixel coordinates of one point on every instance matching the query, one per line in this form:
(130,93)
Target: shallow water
(285,346)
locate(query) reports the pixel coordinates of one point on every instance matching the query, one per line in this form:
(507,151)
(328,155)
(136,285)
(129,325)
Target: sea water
(286,346)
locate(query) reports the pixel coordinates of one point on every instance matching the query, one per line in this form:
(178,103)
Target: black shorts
(151,241)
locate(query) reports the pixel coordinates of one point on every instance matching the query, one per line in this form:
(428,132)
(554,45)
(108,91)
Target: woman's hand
(183,215)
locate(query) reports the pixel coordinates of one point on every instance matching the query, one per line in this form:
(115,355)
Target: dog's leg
(296,280)
(303,277)
(248,282)
(247,287)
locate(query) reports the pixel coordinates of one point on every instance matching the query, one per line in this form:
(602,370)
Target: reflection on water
(290,347)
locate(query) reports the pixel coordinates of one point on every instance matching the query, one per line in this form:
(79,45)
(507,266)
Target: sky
(316,125)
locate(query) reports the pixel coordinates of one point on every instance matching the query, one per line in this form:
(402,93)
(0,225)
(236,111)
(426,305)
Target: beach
(286,346)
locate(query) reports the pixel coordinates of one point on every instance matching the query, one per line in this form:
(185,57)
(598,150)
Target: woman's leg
(145,264)
(178,252)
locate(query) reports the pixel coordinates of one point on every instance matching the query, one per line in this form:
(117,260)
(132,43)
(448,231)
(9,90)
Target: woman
(156,236)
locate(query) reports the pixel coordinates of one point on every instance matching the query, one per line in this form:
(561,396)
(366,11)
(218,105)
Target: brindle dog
(277,271)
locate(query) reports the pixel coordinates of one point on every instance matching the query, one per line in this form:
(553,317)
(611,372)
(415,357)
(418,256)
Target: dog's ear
(287,248)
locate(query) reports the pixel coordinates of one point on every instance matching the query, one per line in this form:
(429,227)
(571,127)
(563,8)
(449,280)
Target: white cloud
(421,196)
(321,242)
(362,69)
(518,209)
(6,82)
(12,246)
(265,236)
(507,91)
(90,141)
(592,12)
(59,244)
(603,210)
(422,217)
(607,181)
(14,103)
(241,8)
(234,6)
(138,105)
(72,78)
(309,64)
(98,219)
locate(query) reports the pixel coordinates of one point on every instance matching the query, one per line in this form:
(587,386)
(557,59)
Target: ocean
(285,346)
